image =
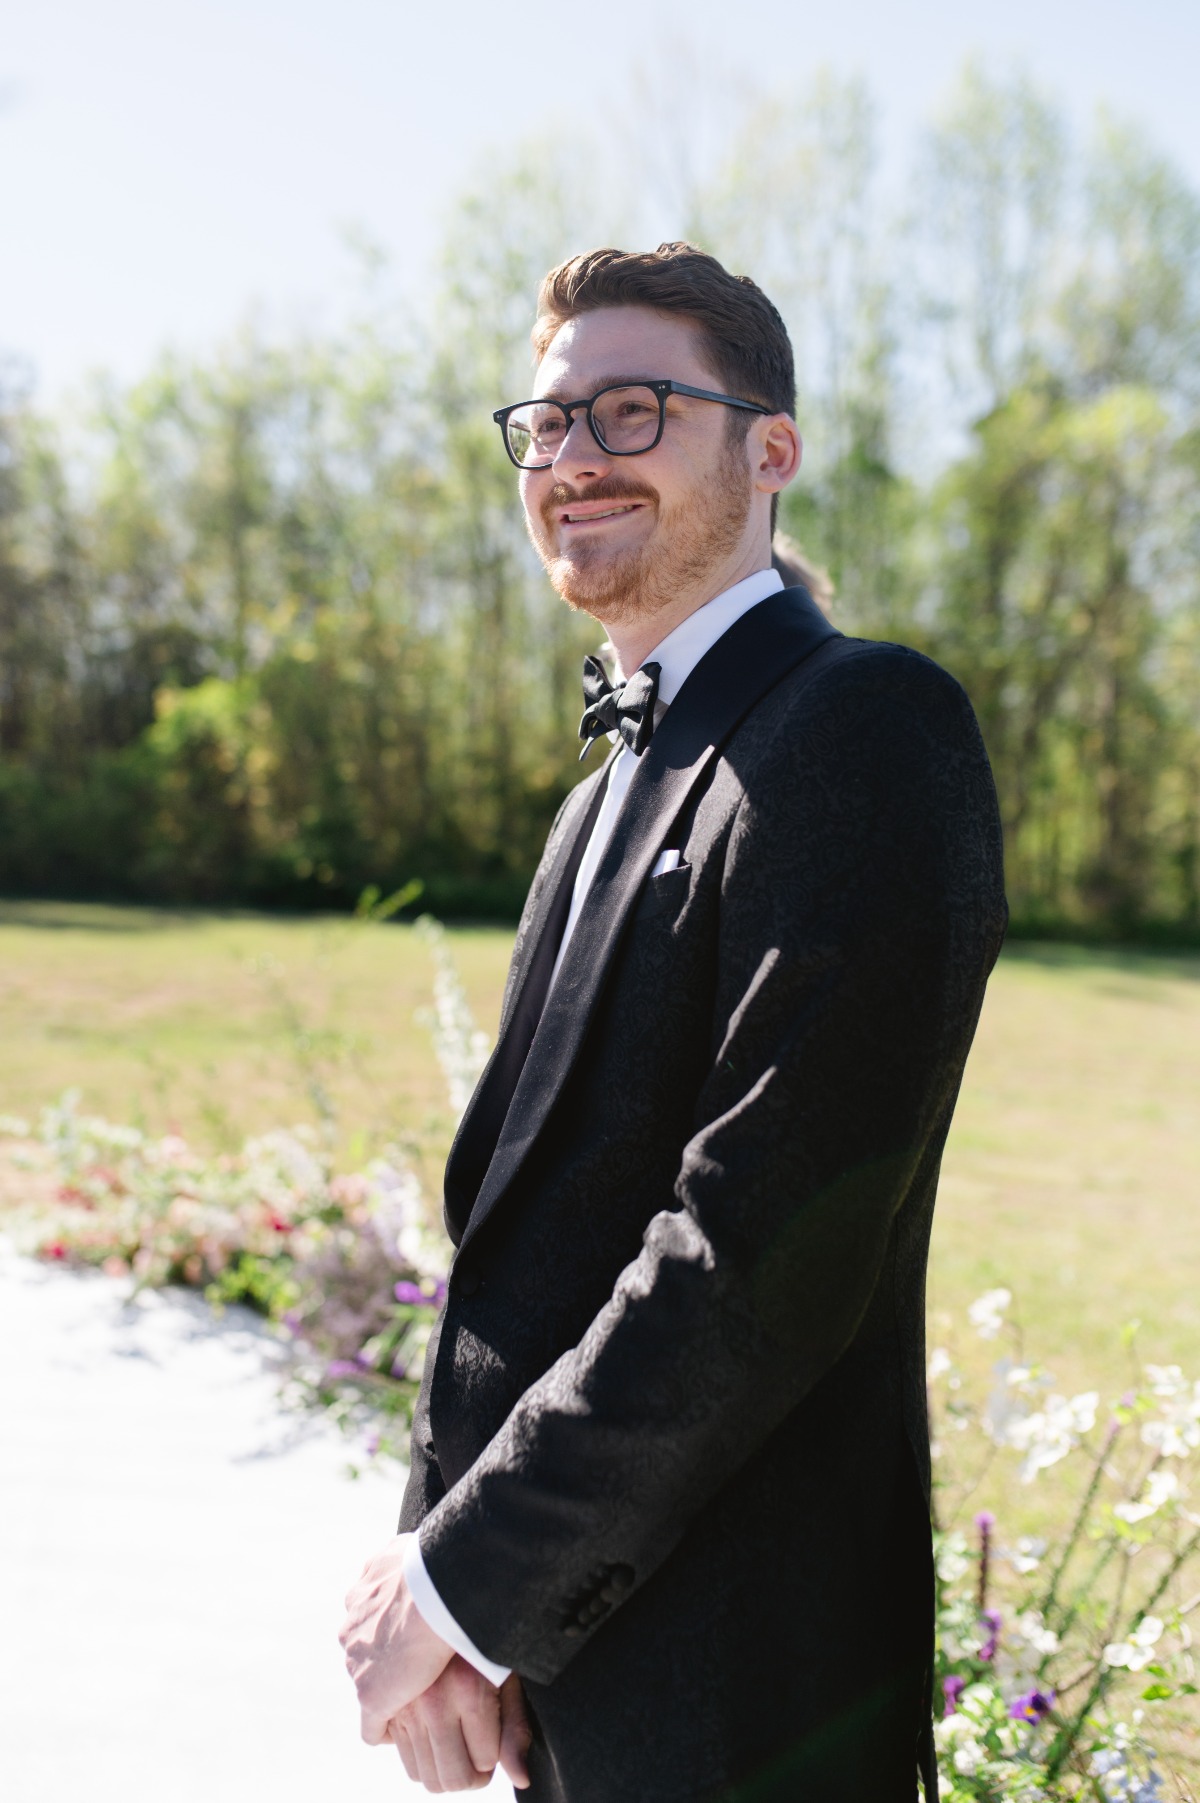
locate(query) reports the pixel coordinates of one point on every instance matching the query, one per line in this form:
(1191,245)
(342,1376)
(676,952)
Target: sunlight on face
(618,535)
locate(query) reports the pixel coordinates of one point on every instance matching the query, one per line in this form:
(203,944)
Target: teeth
(574,519)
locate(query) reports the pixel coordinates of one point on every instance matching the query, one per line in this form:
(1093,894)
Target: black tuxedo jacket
(670,1458)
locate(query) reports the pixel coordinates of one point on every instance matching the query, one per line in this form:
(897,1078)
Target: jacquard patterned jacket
(670,1459)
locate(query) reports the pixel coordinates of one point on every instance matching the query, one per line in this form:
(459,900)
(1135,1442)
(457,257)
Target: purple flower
(372,1446)
(985,1521)
(343,1368)
(1032,1707)
(291,1320)
(399,1368)
(414,1293)
(994,1621)
(952,1689)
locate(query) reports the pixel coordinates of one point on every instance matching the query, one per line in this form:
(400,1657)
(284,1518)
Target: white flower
(968,1756)
(1138,1649)
(939,1364)
(952,1560)
(1034,1632)
(1177,1432)
(958,1736)
(462,1048)
(986,1313)
(1028,1555)
(1161,1486)
(1006,1404)
(1048,1435)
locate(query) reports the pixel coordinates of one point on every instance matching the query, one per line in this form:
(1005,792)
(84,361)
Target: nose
(580,457)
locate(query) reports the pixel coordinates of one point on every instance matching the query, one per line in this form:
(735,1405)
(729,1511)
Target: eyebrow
(602,382)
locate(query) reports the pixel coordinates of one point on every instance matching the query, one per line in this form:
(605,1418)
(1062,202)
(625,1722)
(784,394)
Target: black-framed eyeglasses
(625,420)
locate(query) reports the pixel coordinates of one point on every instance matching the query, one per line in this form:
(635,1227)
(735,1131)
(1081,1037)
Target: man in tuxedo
(666,1536)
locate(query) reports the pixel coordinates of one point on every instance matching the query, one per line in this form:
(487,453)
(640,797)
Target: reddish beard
(616,587)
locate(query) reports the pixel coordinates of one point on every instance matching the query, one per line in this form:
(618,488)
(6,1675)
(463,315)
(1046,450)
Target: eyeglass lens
(625,420)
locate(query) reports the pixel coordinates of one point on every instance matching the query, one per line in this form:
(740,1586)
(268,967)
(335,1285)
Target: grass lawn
(1072,1173)
(219,1026)
(1071,1176)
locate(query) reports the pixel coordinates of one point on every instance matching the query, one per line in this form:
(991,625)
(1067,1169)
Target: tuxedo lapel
(756,653)
(479,1129)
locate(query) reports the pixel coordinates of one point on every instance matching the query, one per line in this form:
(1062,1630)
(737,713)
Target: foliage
(270,630)
(1055,1658)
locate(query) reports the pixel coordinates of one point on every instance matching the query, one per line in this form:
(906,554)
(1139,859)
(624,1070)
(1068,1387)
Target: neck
(634,638)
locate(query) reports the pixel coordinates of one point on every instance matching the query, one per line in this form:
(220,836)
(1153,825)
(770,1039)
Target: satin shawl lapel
(754,655)
(479,1129)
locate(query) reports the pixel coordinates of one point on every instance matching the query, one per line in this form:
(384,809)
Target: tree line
(270,632)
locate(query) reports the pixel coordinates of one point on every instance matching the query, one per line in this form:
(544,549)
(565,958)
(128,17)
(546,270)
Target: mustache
(607,488)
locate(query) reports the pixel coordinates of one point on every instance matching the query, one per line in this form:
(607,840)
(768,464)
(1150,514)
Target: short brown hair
(744,338)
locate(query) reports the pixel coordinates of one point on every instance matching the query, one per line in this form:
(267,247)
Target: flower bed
(350,1265)
(1055,1657)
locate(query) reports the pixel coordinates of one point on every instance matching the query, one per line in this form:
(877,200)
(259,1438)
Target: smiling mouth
(609,513)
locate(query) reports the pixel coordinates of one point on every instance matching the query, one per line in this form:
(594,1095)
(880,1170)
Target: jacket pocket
(665,893)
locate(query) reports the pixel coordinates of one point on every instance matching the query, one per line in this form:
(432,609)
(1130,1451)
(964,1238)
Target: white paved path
(173,1555)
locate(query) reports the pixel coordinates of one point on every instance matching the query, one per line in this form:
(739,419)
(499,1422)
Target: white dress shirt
(677,656)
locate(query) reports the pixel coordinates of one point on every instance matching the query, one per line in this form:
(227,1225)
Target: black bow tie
(628,710)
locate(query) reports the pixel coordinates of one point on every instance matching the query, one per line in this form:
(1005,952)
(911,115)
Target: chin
(609,588)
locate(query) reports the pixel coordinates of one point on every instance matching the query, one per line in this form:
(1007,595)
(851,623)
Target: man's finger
(426,1764)
(515,1733)
(374,1727)
(403,1745)
(439,1714)
(479,1716)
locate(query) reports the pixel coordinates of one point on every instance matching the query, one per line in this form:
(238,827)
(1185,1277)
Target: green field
(219,1026)
(1072,1174)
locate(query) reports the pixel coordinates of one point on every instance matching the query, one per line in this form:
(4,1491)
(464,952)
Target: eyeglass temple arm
(706,394)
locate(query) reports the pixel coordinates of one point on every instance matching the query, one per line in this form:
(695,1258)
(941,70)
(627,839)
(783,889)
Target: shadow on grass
(102,917)
(1126,960)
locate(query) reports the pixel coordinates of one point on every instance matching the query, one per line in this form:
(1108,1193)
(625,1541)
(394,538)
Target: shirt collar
(682,649)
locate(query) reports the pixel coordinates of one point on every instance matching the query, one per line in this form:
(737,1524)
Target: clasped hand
(451,1727)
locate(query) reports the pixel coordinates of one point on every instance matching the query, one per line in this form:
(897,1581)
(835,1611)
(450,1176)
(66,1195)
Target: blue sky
(168,165)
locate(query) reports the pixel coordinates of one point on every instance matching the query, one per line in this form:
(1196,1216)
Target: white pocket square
(666,860)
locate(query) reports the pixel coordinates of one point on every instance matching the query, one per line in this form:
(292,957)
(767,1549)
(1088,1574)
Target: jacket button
(467,1279)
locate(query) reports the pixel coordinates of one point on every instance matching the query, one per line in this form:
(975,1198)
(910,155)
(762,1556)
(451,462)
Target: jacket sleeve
(861,910)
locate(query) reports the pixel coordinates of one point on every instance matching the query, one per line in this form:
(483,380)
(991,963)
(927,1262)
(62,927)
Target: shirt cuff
(436,1615)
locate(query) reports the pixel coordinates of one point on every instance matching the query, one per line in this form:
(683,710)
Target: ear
(775,452)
